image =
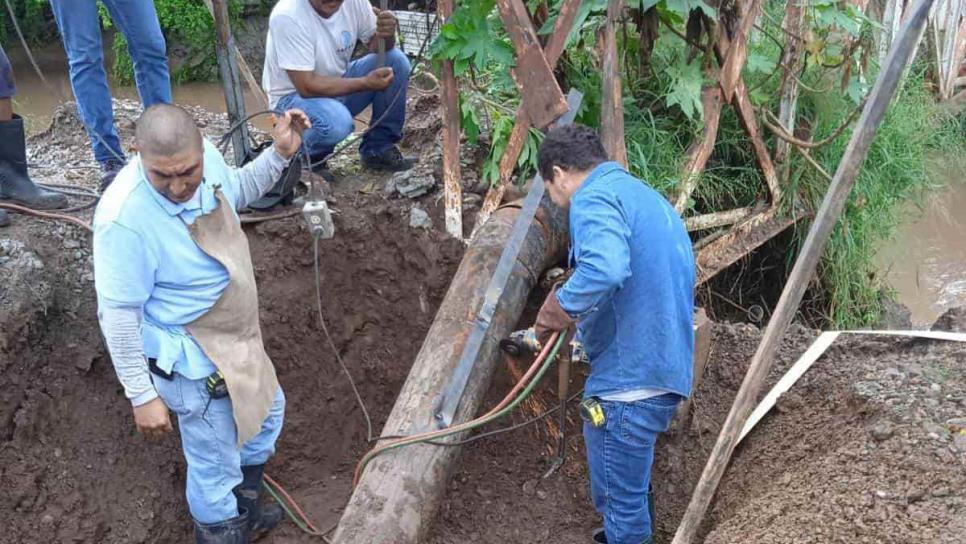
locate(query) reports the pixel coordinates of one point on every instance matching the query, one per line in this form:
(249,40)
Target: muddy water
(36,102)
(926,261)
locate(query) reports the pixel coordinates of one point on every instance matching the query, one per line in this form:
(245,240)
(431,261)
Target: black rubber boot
(4,218)
(15,185)
(283,192)
(261,519)
(231,531)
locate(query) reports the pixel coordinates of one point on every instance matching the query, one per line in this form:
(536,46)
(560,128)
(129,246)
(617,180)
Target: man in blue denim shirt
(631,296)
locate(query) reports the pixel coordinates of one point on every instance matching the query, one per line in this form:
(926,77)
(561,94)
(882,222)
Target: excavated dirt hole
(859,451)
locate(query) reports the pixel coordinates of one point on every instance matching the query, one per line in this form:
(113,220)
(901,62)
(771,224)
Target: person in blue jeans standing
(80,28)
(308,66)
(631,296)
(16,187)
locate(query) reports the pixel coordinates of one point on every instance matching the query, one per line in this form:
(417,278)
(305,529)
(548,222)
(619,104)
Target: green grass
(894,172)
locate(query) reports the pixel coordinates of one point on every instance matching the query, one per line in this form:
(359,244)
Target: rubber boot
(231,531)
(15,185)
(261,519)
(283,192)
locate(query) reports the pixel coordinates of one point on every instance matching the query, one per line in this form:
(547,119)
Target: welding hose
(536,371)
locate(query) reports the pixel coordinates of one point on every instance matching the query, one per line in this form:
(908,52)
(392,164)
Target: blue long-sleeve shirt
(632,290)
(151,278)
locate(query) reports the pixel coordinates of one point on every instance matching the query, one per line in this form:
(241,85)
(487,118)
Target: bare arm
(310,84)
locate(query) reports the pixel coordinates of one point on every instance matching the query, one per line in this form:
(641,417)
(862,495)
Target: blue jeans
(619,456)
(80,28)
(332,117)
(8,87)
(209,440)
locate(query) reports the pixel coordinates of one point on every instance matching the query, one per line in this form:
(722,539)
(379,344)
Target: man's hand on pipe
(385,24)
(287,132)
(152,419)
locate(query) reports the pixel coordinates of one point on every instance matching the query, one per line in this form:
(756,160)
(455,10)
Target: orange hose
(292,503)
(421,437)
(46,215)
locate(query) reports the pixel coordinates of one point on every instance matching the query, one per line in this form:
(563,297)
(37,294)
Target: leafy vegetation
(663,79)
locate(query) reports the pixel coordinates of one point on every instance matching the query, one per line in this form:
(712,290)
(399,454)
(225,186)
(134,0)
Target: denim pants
(332,117)
(208,438)
(619,456)
(80,29)
(8,87)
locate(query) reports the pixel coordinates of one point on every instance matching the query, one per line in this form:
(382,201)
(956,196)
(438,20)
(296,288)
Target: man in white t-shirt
(308,66)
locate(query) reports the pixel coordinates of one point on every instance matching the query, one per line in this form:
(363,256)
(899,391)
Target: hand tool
(383,6)
(521,343)
(216,386)
(591,412)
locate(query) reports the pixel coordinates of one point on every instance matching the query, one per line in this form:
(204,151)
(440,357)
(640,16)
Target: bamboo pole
(246,72)
(791,63)
(449,95)
(612,108)
(818,235)
(228,70)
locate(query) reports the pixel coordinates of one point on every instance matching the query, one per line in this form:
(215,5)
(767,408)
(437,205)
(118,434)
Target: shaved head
(166,130)
(172,151)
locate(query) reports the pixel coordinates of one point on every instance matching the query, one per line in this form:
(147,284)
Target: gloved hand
(552,318)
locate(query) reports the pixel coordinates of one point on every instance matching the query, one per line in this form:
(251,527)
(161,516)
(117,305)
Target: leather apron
(229,332)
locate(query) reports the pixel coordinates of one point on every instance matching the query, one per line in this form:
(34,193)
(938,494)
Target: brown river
(925,262)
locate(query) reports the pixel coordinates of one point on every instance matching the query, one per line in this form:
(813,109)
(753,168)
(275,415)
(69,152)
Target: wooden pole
(738,52)
(449,95)
(521,126)
(791,63)
(398,495)
(612,108)
(230,80)
(246,72)
(700,151)
(818,235)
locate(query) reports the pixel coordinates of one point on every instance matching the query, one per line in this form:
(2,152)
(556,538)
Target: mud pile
(865,448)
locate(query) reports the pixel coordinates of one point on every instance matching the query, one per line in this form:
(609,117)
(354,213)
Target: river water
(925,262)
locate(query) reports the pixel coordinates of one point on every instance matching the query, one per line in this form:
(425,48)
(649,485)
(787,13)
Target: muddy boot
(261,519)
(15,185)
(4,218)
(231,531)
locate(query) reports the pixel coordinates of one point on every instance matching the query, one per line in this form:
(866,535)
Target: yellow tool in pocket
(592,412)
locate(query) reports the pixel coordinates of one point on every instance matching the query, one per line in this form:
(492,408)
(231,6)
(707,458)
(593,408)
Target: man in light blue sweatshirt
(631,297)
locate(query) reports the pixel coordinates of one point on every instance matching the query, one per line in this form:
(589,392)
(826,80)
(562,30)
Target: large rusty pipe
(398,495)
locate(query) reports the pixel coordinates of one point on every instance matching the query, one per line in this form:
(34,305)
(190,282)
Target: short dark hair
(571,147)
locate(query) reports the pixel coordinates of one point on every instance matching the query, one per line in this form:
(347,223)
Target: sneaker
(109,170)
(389,160)
(599,536)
